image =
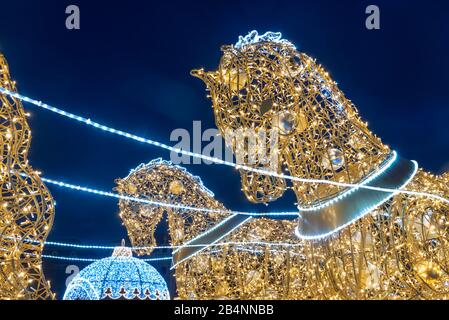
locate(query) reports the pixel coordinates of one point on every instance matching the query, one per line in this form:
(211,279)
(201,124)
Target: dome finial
(122,250)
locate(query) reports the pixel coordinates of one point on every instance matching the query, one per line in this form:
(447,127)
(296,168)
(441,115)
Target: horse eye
(295,60)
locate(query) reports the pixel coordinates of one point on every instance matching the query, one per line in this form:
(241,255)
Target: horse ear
(119,187)
(208,77)
(226,47)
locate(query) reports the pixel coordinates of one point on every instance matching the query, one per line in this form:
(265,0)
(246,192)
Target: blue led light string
(75,259)
(158,203)
(47,256)
(97,125)
(97,247)
(290,213)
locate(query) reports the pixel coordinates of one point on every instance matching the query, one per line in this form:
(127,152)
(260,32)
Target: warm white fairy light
(27,207)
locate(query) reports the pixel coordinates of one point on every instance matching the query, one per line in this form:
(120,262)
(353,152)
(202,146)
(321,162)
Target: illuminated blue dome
(118,277)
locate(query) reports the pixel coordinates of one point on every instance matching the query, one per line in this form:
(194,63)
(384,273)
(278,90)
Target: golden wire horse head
(161,181)
(263,82)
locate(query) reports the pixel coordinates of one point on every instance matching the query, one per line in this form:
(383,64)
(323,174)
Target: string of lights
(158,203)
(76,259)
(158,144)
(254,214)
(109,247)
(218,244)
(93,259)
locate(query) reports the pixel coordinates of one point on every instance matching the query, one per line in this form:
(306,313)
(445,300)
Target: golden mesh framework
(266,84)
(26,206)
(271,87)
(397,251)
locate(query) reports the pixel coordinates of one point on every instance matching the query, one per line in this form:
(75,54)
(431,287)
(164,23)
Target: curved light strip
(205,246)
(373,176)
(161,204)
(360,215)
(255,251)
(96,247)
(47,256)
(97,125)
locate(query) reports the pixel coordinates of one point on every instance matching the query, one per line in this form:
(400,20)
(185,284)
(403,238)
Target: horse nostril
(266,106)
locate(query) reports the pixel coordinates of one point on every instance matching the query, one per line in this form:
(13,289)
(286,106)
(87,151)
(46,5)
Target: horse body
(395,249)
(365,260)
(220,271)
(26,208)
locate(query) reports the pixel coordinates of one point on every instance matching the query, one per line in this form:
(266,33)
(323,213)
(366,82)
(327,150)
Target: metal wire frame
(26,206)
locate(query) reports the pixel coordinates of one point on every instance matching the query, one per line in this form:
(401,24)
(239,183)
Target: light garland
(160,203)
(360,215)
(49,256)
(94,124)
(99,247)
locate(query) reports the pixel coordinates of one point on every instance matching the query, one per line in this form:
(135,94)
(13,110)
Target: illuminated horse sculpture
(234,271)
(26,206)
(246,268)
(345,243)
(359,243)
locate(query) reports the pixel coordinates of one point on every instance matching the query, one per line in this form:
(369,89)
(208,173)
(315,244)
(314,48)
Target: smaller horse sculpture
(243,269)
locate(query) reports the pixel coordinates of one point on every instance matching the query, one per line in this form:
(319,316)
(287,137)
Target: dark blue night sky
(128,67)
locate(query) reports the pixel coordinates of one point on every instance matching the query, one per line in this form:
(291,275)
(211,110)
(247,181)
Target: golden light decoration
(398,249)
(225,272)
(394,248)
(26,206)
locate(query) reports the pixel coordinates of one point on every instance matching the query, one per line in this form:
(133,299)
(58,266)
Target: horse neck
(335,135)
(186,224)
